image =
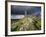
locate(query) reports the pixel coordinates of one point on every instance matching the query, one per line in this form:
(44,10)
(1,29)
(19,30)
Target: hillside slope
(27,24)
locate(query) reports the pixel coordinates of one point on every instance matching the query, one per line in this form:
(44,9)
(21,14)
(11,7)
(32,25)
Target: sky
(20,10)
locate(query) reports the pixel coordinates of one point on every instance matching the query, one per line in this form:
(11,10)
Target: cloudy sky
(20,10)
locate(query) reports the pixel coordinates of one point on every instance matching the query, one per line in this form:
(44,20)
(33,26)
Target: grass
(26,24)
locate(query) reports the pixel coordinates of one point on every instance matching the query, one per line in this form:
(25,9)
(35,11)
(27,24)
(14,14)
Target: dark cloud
(20,10)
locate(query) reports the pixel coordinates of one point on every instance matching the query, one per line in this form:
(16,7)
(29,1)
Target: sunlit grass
(27,24)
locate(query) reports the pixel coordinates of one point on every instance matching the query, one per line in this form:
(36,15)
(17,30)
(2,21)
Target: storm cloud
(20,10)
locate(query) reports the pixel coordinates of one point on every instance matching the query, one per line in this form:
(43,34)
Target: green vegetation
(27,24)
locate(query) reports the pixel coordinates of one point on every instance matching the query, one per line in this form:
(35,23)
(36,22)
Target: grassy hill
(27,24)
